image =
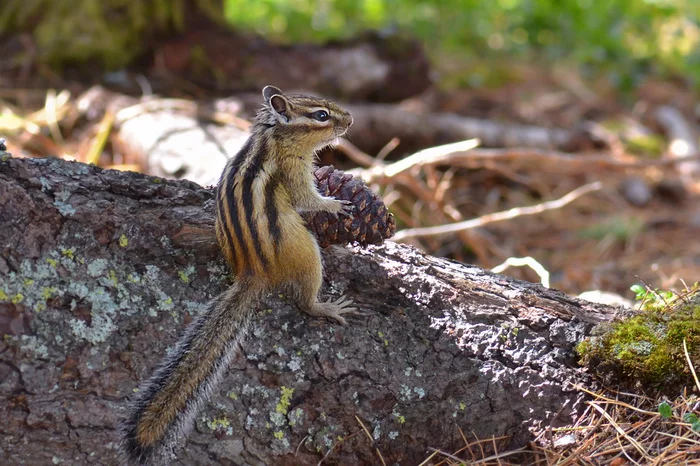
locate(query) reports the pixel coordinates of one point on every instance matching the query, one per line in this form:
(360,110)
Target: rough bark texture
(93,292)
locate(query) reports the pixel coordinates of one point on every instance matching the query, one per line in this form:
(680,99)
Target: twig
(379,454)
(387,149)
(690,364)
(498,216)
(328,453)
(431,155)
(525,261)
(98,144)
(524,156)
(619,429)
(355,154)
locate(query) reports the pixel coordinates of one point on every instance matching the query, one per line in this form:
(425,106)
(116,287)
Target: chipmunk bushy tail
(167,402)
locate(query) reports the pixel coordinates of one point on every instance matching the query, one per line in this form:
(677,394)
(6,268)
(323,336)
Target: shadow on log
(93,292)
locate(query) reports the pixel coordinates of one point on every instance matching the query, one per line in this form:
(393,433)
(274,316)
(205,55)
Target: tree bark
(93,290)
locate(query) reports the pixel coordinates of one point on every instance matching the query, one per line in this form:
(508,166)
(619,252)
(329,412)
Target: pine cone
(370,222)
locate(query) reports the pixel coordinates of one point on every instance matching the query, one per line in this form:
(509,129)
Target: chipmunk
(266,243)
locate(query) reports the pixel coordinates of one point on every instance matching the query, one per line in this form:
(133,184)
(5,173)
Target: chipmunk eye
(320,115)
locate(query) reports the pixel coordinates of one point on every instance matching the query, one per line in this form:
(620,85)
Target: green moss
(648,348)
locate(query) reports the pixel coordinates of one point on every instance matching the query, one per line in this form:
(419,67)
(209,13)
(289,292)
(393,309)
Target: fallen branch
(94,290)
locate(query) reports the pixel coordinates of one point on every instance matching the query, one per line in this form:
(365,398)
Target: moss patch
(647,349)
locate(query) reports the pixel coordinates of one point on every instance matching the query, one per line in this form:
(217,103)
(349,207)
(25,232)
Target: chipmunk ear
(277,101)
(269,91)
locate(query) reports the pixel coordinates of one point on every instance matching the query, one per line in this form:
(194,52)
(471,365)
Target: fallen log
(94,289)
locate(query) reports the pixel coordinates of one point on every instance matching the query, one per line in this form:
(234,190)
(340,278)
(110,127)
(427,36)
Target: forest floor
(641,227)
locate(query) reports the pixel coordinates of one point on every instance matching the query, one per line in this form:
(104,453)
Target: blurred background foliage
(625,39)
(622,40)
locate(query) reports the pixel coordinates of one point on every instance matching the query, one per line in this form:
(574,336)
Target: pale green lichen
(97,267)
(37,281)
(294,364)
(296,417)
(100,328)
(405,393)
(31,345)
(278,419)
(112,275)
(45,185)
(123,240)
(63,207)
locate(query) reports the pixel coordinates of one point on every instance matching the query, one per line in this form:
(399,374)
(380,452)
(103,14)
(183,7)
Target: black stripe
(251,173)
(221,220)
(229,188)
(273,221)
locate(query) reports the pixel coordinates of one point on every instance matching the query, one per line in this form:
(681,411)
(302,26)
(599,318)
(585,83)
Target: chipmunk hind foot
(334,309)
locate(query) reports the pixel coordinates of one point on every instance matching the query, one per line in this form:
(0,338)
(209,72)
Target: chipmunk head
(305,121)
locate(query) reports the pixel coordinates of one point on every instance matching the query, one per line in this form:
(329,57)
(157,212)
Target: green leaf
(665,410)
(691,418)
(638,290)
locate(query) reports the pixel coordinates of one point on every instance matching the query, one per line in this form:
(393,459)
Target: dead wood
(181,139)
(93,291)
(382,122)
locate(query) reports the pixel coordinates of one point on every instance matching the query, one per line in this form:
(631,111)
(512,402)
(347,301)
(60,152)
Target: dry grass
(615,429)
